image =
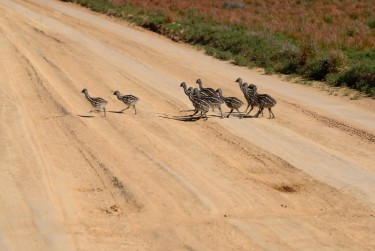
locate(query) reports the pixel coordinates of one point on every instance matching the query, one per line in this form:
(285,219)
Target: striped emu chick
(233,103)
(97,103)
(249,99)
(199,104)
(209,92)
(128,100)
(262,100)
(213,102)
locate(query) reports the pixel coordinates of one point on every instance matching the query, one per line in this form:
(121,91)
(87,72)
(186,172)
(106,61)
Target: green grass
(275,52)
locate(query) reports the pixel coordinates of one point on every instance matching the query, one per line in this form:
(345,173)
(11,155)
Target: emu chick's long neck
(185,89)
(239,81)
(200,85)
(221,95)
(88,97)
(118,94)
(242,87)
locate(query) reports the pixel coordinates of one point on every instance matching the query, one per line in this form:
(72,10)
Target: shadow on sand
(101,113)
(118,112)
(86,116)
(189,118)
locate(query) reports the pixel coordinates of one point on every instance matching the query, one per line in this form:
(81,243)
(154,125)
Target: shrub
(98,5)
(286,59)
(353,16)
(306,52)
(224,55)
(332,78)
(371,23)
(359,77)
(337,61)
(153,22)
(316,69)
(328,19)
(242,61)
(286,68)
(210,51)
(350,32)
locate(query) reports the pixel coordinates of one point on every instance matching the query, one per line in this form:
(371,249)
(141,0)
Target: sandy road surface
(71,180)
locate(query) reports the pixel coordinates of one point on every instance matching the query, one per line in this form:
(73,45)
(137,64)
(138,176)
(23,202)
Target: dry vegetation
(334,23)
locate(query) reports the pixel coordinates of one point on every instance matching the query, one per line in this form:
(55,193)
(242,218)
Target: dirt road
(73,180)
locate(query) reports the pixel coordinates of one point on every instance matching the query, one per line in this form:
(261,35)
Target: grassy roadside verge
(273,51)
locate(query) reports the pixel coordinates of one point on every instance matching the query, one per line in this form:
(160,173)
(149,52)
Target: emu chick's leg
(241,116)
(261,107)
(205,115)
(125,109)
(134,109)
(222,116)
(196,111)
(230,113)
(247,107)
(271,113)
(105,114)
(202,114)
(252,107)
